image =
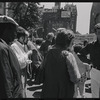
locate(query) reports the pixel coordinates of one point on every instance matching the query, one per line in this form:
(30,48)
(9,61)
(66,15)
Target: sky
(83,14)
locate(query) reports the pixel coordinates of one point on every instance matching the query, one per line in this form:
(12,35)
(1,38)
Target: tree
(26,14)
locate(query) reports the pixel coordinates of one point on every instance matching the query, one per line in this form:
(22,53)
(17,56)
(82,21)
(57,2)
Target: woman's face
(25,39)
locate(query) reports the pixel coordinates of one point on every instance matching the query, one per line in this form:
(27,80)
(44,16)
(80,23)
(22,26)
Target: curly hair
(64,37)
(21,32)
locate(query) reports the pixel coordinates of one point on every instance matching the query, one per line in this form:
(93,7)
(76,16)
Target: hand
(83,78)
(29,52)
(28,61)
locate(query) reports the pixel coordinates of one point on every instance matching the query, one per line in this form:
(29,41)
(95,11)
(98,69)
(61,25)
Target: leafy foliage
(26,14)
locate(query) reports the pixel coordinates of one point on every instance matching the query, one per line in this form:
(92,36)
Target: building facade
(4,8)
(94,16)
(58,17)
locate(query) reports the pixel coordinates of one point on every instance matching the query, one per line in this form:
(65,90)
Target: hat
(6,19)
(22,30)
(97,26)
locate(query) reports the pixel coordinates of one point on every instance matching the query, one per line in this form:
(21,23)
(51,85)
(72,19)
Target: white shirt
(22,56)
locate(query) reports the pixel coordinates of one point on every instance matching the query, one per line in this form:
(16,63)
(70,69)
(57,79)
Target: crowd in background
(57,62)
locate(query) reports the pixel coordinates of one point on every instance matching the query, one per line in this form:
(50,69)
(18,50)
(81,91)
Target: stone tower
(58,4)
(94,16)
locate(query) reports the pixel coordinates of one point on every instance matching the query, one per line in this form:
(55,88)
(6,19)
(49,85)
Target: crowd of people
(57,62)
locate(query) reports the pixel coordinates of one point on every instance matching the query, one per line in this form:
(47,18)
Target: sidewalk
(34,91)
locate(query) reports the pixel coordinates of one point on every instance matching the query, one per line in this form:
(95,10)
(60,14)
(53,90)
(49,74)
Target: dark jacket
(36,56)
(44,47)
(10,73)
(57,82)
(94,50)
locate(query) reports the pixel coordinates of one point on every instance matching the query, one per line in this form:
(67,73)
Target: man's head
(97,31)
(22,35)
(7,28)
(50,36)
(39,41)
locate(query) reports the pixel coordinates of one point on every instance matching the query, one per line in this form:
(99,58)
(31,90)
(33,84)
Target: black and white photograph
(49,50)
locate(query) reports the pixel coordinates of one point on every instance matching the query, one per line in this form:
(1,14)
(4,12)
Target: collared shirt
(94,50)
(22,56)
